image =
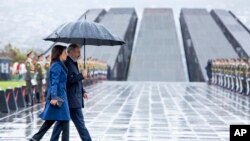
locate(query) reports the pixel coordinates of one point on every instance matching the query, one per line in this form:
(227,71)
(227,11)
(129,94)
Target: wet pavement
(145,111)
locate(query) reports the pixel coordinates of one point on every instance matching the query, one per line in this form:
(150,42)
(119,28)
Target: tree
(14,53)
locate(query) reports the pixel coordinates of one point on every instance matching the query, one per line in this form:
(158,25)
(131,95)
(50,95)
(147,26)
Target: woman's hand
(53,102)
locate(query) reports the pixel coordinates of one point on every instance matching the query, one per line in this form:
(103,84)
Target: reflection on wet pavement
(144,111)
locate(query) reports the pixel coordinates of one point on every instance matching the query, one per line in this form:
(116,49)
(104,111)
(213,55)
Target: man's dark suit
(75,93)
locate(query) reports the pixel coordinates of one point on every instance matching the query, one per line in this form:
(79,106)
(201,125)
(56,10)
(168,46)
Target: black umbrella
(84,33)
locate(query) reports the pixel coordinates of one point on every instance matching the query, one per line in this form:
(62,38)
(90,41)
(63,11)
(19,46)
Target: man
(209,71)
(47,67)
(238,72)
(231,74)
(75,94)
(243,67)
(40,76)
(214,71)
(233,69)
(47,64)
(28,77)
(226,73)
(247,77)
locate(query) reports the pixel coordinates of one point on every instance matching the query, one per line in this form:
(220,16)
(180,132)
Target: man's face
(76,53)
(48,58)
(30,55)
(41,58)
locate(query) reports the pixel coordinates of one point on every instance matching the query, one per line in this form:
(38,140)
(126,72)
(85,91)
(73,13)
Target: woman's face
(63,56)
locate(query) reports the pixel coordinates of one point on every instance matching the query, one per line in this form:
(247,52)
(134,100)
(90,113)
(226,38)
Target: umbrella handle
(84,65)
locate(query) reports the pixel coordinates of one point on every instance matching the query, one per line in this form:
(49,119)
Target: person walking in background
(75,93)
(28,77)
(56,107)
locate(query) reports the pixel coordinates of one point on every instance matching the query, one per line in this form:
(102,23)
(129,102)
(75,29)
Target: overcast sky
(26,22)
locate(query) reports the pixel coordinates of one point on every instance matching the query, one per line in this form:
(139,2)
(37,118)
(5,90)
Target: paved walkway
(145,111)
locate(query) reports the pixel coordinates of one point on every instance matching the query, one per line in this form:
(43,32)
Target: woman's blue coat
(56,88)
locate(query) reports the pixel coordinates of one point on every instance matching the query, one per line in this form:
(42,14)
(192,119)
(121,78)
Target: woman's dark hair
(57,50)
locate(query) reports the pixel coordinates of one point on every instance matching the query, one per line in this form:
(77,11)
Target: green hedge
(5,84)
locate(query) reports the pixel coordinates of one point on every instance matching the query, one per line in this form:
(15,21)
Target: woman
(55,109)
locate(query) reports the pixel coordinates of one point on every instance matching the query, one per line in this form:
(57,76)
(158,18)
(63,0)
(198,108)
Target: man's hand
(85,73)
(85,96)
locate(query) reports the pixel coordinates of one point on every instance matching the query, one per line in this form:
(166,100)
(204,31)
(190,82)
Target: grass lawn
(12,84)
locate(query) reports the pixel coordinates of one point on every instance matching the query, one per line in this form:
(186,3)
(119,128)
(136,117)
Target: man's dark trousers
(78,119)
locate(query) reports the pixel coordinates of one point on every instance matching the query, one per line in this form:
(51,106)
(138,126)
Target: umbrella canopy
(84,33)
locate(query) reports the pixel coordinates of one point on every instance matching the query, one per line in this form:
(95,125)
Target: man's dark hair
(72,47)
